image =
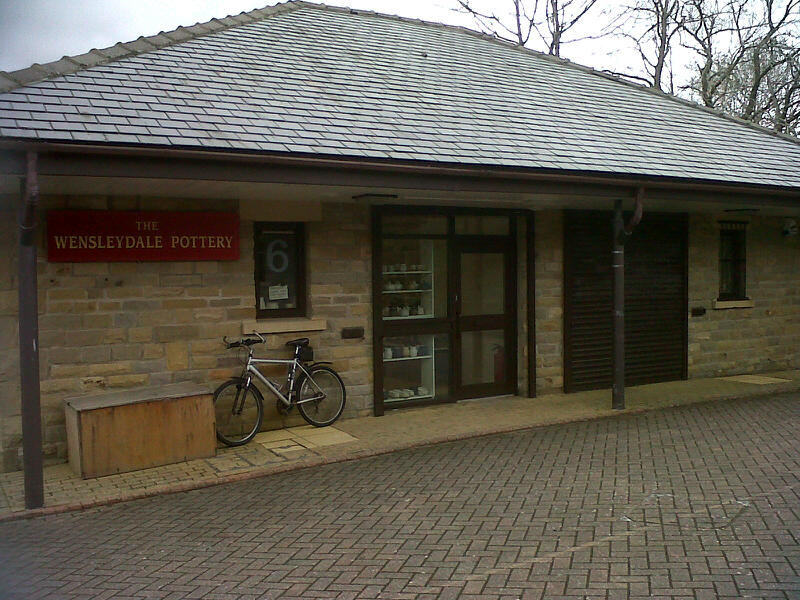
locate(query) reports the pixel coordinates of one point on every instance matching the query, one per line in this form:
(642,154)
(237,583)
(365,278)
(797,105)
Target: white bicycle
(314,387)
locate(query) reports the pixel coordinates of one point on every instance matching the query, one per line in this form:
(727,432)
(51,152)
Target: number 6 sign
(280,269)
(277,258)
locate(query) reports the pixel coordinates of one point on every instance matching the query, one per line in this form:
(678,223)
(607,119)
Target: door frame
(468,244)
(381,328)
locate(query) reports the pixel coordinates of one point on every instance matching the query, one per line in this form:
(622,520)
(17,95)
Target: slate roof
(317,80)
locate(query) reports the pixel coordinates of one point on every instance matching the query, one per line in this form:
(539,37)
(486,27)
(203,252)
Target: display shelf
(426,397)
(409,263)
(407,358)
(414,375)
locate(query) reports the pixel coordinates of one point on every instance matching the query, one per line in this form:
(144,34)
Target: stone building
(430,206)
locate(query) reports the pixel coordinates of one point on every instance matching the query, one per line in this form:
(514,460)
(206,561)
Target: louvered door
(655,300)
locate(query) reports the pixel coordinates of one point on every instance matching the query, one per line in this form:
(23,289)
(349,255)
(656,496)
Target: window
(732,261)
(280,270)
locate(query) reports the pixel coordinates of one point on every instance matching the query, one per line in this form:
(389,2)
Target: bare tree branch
(549,20)
(651,25)
(748,53)
(522,27)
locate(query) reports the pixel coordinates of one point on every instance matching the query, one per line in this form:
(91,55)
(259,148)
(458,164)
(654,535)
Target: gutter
(631,182)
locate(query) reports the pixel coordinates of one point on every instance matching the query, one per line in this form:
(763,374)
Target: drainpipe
(29,341)
(621,233)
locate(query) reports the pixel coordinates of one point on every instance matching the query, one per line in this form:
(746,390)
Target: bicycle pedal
(282,408)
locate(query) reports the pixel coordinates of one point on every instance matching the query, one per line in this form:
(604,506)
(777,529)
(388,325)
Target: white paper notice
(279,292)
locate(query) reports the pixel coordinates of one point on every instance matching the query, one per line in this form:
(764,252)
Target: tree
(764,88)
(783,94)
(548,21)
(748,54)
(651,25)
(709,25)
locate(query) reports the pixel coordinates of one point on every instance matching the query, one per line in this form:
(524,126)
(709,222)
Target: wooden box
(140,428)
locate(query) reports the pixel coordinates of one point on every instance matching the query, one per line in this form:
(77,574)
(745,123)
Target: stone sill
(284,325)
(725,304)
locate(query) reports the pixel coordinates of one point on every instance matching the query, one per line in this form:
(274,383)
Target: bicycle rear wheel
(321,397)
(239,411)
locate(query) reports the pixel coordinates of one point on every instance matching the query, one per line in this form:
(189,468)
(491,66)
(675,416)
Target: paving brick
(493,517)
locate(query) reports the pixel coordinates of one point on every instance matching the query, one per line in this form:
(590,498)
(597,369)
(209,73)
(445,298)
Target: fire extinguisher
(499,364)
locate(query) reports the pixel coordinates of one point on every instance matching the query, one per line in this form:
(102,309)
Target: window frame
(736,232)
(301,304)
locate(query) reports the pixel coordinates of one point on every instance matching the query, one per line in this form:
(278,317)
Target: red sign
(115,236)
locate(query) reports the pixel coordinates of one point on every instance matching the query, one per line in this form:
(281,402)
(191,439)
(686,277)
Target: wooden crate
(136,429)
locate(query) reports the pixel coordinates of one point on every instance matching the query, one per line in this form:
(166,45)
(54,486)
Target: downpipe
(621,233)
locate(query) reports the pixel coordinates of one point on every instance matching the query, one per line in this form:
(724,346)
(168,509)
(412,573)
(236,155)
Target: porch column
(618,265)
(29,340)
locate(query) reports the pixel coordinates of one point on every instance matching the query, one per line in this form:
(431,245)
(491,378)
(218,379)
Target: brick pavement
(695,502)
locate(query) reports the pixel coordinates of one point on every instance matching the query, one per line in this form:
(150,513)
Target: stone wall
(745,340)
(549,233)
(10,437)
(117,325)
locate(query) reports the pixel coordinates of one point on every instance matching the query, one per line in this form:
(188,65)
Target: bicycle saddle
(299,343)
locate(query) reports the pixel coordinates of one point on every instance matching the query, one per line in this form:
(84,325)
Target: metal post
(618,263)
(530,259)
(29,342)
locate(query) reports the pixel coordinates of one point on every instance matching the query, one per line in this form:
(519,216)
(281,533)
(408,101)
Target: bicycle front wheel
(322,396)
(239,410)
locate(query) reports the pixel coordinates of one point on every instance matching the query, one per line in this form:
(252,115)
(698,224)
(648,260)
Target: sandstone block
(225,302)
(54,386)
(241,314)
(207,347)
(172,333)
(222,374)
(151,351)
(125,292)
(126,351)
(102,369)
(127,380)
(207,292)
(177,303)
(66,294)
(210,314)
(98,268)
(93,354)
(204,362)
(177,354)
(96,321)
(140,334)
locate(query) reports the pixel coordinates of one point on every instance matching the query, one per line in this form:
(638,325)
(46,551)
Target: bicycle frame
(295,363)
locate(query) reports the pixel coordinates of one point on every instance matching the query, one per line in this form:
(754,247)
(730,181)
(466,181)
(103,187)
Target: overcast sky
(45,30)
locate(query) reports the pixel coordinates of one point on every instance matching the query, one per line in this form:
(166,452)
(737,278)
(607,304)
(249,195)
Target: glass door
(444,305)
(485,305)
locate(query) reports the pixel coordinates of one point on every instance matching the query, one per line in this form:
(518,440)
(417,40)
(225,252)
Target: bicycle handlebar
(244,342)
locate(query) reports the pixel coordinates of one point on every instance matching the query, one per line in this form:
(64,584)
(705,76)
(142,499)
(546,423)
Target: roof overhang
(138,170)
